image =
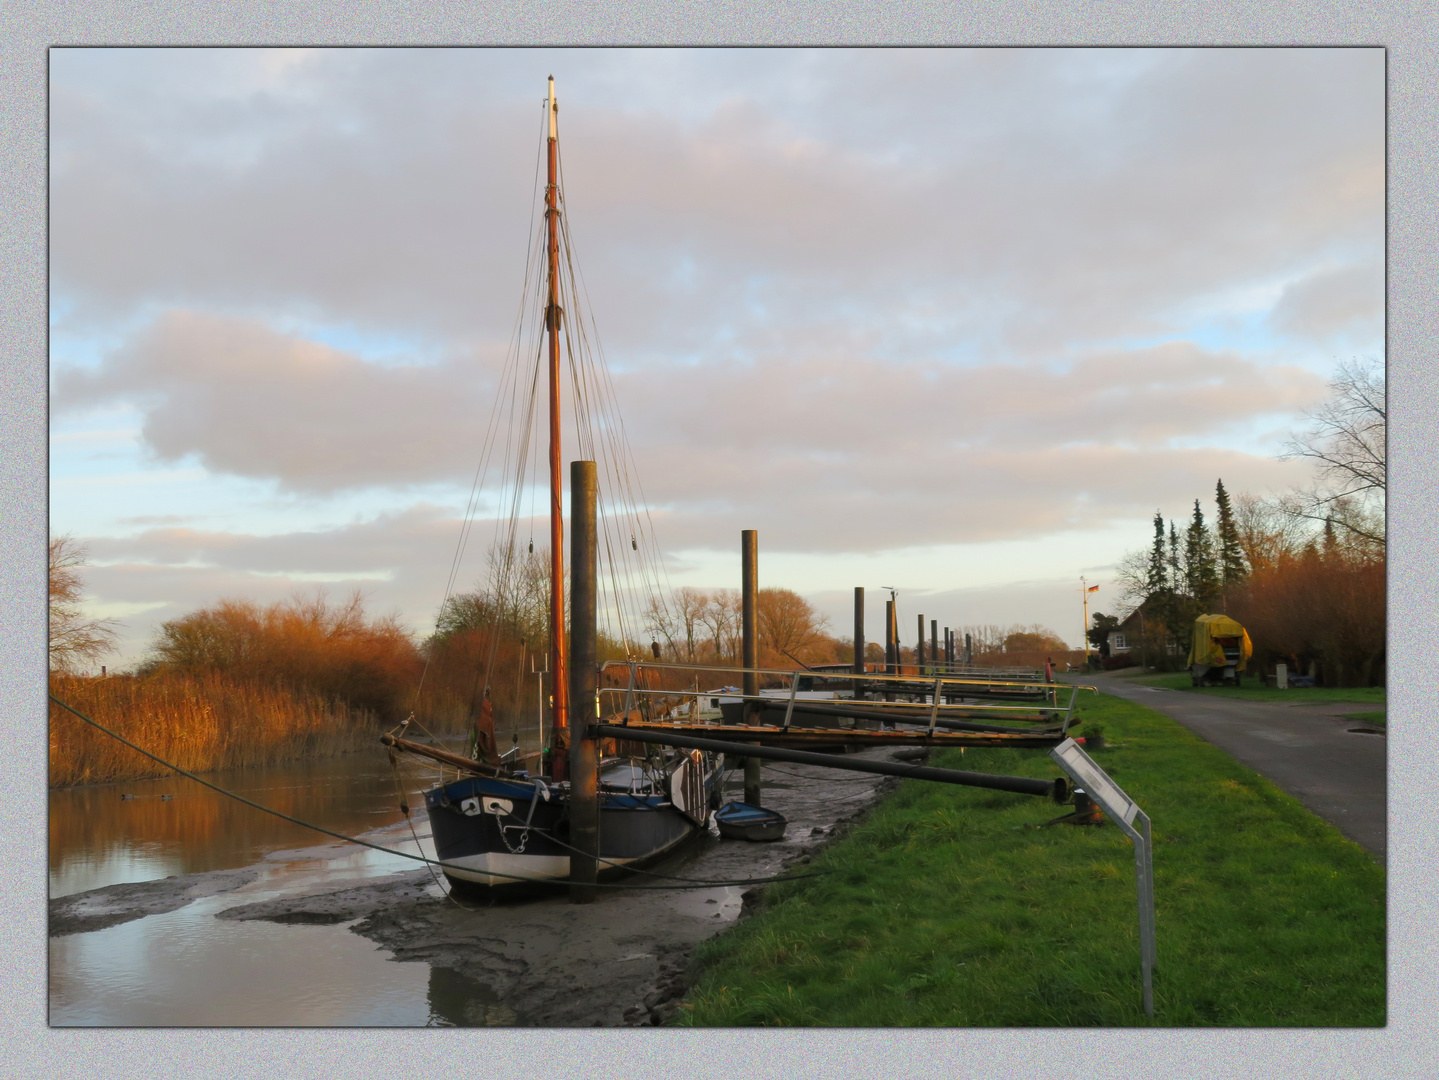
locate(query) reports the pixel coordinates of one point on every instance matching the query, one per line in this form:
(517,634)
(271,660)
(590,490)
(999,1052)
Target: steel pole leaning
(1057,789)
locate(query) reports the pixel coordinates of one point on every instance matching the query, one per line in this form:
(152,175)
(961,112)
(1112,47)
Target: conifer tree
(1201,569)
(1157,577)
(1231,555)
(1176,570)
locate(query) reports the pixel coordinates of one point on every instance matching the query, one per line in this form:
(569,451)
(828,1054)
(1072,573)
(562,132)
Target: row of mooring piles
(768,741)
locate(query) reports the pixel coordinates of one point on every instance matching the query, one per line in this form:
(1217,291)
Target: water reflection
(187,967)
(99,838)
(456,1000)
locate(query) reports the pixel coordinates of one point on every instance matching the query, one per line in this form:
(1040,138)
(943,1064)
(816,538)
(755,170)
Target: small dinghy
(740,821)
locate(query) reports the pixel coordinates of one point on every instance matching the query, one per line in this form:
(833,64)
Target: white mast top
(554,108)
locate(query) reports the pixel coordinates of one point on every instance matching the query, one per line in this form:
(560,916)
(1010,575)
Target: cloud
(246,400)
(841,445)
(1333,302)
(940,200)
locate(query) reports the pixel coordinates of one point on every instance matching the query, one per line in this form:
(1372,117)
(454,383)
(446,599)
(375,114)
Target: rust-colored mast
(559,673)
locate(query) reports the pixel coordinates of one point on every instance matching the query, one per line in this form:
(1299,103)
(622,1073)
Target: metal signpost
(1125,813)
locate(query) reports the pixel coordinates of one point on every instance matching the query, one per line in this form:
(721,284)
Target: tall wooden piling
(934,640)
(859,629)
(919,649)
(584,756)
(859,690)
(749,601)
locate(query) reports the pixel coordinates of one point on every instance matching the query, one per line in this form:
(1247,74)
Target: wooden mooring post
(584,756)
(859,638)
(749,601)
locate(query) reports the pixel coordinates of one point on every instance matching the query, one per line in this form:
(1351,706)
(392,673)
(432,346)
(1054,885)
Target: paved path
(1307,750)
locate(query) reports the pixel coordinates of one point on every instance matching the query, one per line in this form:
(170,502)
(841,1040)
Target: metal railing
(900,712)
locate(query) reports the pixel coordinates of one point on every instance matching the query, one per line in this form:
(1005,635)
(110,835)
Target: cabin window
(714,703)
(1118,642)
(806,683)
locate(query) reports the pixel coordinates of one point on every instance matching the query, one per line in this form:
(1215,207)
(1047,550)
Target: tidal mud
(619,961)
(115,904)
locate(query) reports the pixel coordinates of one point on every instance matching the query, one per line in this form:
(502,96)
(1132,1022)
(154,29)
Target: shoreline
(620,961)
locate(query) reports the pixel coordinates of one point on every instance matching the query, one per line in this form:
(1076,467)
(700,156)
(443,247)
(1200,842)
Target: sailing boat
(501,827)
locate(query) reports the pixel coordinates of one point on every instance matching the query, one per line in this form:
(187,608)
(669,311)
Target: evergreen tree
(1231,555)
(1157,577)
(1176,570)
(1201,568)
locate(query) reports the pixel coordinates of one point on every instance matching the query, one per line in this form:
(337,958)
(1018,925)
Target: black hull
(504,835)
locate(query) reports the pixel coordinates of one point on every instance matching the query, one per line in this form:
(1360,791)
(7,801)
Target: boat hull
(505,835)
(740,821)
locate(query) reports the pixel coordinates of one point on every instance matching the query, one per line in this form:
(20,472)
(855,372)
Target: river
(286,953)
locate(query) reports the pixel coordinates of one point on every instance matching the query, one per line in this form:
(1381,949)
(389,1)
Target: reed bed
(199,722)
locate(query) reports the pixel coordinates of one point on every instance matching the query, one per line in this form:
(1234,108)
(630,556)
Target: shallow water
(186,967)
(553,963)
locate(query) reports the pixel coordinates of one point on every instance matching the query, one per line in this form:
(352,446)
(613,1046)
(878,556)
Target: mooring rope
(405,854)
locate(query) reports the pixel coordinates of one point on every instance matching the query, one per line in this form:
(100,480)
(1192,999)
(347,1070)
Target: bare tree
(74,640)
(721,618)
(661,622)
(787,624)
(1346,438)
(690,605)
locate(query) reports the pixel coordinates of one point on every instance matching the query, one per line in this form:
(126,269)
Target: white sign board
(1123,810)
(1079,765)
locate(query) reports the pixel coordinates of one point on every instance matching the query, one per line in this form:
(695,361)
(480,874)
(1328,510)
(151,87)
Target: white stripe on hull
(487,868)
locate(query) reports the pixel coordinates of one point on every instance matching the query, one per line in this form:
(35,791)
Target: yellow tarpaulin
(1204,649)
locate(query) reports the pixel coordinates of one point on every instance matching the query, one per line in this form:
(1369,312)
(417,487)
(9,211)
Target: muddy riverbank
(539,962)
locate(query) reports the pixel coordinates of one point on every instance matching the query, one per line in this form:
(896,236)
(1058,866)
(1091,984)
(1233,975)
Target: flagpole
(1084,590)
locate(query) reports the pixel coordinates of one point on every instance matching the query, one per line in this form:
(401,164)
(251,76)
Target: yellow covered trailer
(1219,649)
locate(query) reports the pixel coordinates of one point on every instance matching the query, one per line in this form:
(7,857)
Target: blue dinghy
(740,821)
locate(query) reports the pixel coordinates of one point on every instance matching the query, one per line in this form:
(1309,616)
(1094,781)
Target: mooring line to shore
(696,882)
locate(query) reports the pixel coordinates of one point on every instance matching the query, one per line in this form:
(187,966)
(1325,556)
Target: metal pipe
(584,804)
(749,593)
(1057,789)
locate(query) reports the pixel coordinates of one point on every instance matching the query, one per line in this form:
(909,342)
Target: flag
(1092,588)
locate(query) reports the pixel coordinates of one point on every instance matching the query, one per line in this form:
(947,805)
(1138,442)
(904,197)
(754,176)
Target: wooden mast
(559,673)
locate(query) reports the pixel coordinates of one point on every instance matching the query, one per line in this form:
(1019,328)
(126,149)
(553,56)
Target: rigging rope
(405,854)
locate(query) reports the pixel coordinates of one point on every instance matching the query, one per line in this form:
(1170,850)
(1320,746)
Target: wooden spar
(443,756)
(749,601)
(584,756)
(559,668)
(1057,790)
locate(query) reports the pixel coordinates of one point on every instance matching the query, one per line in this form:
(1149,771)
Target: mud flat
(618,961)
(115,904)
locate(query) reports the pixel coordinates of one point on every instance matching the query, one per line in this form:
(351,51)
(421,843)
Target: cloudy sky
(956,321)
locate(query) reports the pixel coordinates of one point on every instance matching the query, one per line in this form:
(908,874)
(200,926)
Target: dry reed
(199,722)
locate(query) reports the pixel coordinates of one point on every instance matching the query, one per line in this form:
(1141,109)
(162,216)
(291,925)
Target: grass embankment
(951,906)
(200,723)
(1252,690)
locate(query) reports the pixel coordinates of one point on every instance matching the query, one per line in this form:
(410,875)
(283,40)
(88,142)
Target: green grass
(951,906)
(1372,719)
(1252,690)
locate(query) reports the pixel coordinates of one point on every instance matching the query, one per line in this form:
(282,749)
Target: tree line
(1302,571)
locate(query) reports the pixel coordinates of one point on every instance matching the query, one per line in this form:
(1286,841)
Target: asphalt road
(1307,750)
